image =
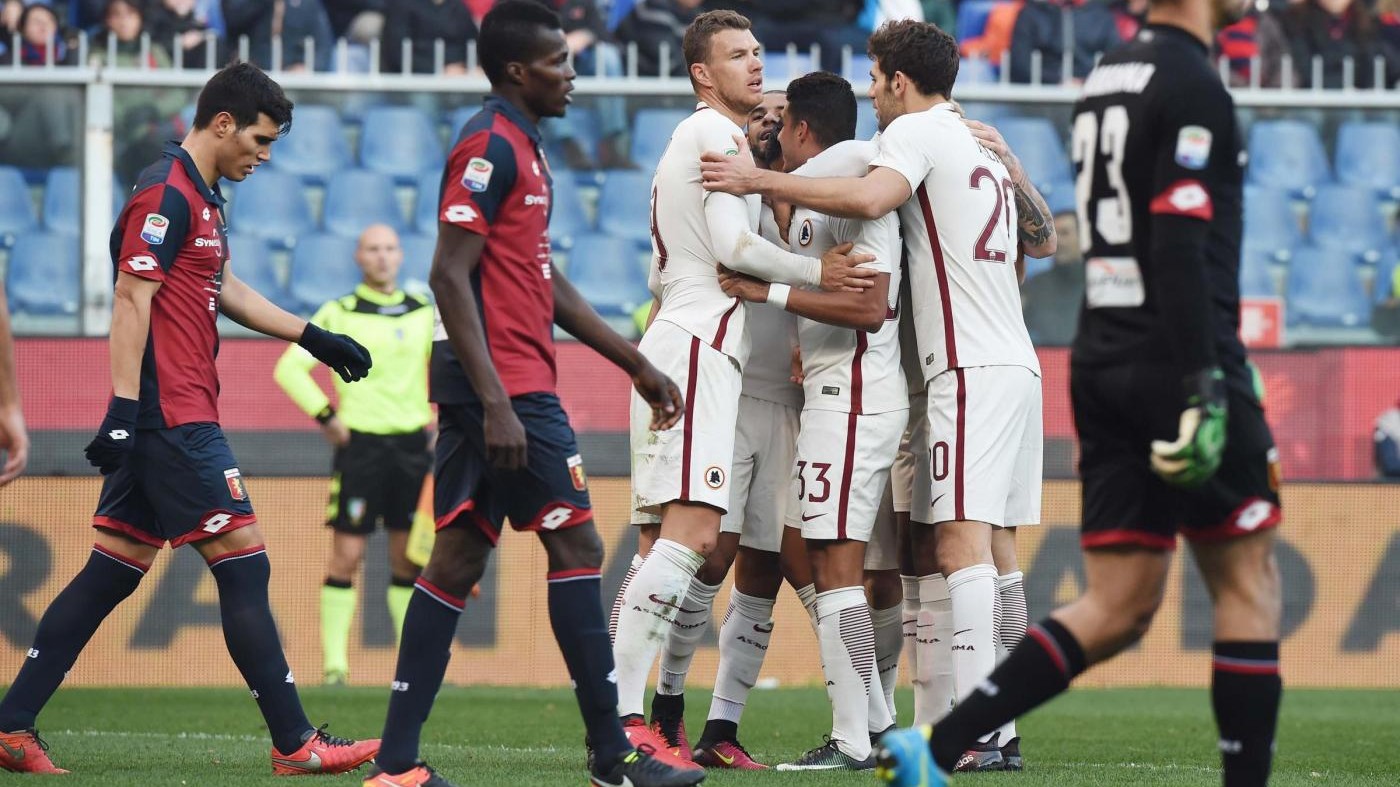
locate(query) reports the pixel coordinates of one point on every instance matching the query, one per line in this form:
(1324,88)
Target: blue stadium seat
(1368,154)
(988,112)
(425,205)
(866,122)
(251,259)
(1256,276)
(857,71)
(323,267)
(1059,196)
(585,128)
(1287,154)
(458,118)
(1269,222)
(1348,217)
(1384,284)
(417,261)
(1038,265)
(977,71)
(16,209)
(782,67)
(401,142)
(315,148)
(63,200)
(1037,144)
(608,272)
(624,205)
(651,133)
(1325,290)
(358,198)
(272,205)
(43,276)
(567,219)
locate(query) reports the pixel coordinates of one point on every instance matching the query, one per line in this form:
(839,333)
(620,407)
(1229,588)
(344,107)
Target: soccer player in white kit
(958,206)
(699,336)
(854,412)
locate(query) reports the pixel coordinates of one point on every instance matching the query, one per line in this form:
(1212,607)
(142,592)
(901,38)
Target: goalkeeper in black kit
(1172,434)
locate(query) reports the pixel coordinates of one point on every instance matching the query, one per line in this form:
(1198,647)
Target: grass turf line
(526,737)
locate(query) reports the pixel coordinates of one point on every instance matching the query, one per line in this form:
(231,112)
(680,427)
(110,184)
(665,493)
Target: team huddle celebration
(835,391)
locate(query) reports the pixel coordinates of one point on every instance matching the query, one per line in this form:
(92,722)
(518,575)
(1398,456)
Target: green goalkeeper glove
(1195,454)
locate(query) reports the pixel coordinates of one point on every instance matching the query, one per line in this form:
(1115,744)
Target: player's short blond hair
(696,43)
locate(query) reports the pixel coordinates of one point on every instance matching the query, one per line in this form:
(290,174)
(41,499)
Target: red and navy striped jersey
(497,183)
(172,231)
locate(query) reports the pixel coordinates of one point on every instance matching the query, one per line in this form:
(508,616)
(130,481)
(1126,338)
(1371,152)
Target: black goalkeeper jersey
(1155,144)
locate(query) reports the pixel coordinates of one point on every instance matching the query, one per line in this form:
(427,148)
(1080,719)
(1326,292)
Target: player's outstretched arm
(860,311)
(247,307)
(868,197)
(1036,224)
(574,314)
(14,439)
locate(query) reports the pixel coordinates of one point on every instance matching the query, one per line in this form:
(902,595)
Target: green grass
(488,736)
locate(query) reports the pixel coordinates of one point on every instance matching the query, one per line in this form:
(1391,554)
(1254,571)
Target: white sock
(934,693)
(1011,627)
(622,591)
(684,635)
(743,642)
(974,591)
(807,594)
(664,574)
(909,620)
(847,641)
(889,638)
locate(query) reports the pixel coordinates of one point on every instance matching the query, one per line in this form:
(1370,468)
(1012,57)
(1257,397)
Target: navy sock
(428,628)
(251,636)
(1245,690)
(69,622)
(1042,666)
(581,629)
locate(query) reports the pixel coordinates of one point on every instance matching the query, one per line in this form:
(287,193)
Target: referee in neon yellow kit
(379,431)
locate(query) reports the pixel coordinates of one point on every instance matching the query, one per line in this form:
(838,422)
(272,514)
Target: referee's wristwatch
(326,414)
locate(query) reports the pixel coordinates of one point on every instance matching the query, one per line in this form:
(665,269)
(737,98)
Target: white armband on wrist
(778,295)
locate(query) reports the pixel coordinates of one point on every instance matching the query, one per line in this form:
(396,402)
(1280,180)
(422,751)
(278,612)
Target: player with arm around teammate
(169,475)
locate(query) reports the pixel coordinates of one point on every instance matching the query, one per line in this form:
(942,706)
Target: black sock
(1042,666)
(251,636)
(343,584)
(1245,690)
(667,706)
(65,629)
(428,628)
(581,629)
(717,730)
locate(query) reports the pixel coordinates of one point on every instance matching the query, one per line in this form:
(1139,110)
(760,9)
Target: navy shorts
(180,485)
(549,493)
(1118,412)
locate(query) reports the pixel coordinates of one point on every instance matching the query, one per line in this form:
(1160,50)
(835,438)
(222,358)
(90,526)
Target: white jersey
(847,370)
(682,251)
(772,337)
(960,230)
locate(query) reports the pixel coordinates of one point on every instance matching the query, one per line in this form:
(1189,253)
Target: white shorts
(882,553)
(761,489)
(985,445)
(843,467)
(690,461)
(909,476)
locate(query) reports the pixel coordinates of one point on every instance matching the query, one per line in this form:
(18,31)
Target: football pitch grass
(509,737)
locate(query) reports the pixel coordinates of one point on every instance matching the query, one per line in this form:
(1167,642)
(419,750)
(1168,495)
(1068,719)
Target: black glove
(116,437)
(342,354)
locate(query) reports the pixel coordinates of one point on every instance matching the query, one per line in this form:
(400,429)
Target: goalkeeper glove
(1195,455)
(342,354)
(116,437)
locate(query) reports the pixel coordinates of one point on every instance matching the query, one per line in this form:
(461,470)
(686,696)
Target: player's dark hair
(925,54)
(695,45)
(510,33)
(827,103)
(244,91)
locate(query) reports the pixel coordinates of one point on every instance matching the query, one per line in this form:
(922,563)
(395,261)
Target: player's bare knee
(458,560)
(575,547)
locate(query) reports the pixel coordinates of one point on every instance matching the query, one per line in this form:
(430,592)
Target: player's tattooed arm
(1036,224)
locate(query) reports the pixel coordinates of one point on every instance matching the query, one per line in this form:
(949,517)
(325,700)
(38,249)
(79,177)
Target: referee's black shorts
(1118,411)
(378,478)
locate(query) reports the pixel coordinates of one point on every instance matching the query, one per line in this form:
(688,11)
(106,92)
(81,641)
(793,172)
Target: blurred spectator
(1048,26)
(594,55)
(1385,319)
(41,38)
(144,116)
(1387,438)
(88,14)
(1050,300)
(293,21)
(123,23)
(654,24)
(1332,31)
(877,12)
(358,21)
(1388,14)
(1239,44)
(1130,15)
(829,24)
(424,23)
(39,127)
(181,25)
(995,40)
(10,12)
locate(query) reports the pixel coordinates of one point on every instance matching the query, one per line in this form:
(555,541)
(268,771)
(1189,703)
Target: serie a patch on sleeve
(1193,147)
(153,231)
(477,175)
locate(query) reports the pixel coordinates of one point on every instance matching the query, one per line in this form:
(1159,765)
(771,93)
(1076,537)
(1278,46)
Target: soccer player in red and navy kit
(505,447)
(169,473)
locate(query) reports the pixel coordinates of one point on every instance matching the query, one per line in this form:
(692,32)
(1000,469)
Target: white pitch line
(219,736)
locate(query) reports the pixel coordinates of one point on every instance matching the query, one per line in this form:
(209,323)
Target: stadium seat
(323,267)
(782,66)
(608,272)
(1287,154)
(972,18)
(458,118)
(1059,196)
(624,205)
(866,122)
(417,261)
(272,205)
(977,71)
(1039,147)
(315,148)
(358,198)
(63,201)
(1347,217)
(651,133)
(857,72)
(425,204)
(988,112)
(251,259)
(586,129)
(1269,222)
(1385,282)
(1368,154)
(1325,290)
(401,142)
(43,276)
(1256,274)
(567,218)
(16,209)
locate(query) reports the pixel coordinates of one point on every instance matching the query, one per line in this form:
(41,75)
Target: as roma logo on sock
(576,473)
(236,489)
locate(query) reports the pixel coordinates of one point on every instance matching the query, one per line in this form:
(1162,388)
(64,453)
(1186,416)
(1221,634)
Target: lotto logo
(555,518)
(142,263)
(118,434)
(459,214)
(399,685)
(217,522)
